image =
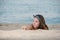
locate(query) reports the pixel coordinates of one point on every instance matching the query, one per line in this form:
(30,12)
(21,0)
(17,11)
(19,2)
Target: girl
(38,23)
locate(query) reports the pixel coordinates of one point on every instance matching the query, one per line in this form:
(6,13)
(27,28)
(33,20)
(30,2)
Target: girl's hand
(24,27)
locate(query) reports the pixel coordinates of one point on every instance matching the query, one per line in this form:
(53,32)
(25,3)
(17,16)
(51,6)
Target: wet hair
(42,21)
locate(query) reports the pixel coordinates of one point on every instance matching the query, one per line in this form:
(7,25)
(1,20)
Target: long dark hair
(42,21)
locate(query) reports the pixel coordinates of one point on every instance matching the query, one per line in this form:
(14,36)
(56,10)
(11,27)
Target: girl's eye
(36,21)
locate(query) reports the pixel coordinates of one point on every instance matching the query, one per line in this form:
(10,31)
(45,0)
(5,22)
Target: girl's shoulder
(27,27)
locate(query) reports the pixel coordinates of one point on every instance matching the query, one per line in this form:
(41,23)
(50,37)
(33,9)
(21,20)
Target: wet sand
(13,32)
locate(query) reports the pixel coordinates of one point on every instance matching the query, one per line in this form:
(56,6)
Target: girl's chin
(34,26)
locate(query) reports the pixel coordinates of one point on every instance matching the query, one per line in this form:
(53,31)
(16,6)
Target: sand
(13,32)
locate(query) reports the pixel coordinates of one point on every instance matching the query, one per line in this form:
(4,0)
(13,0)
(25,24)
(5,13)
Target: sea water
(22,11)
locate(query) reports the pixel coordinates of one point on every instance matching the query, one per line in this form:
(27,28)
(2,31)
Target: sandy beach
(13,32)
(16,13)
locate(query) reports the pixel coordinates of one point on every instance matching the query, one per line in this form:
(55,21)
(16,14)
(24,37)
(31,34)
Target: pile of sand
(30,35)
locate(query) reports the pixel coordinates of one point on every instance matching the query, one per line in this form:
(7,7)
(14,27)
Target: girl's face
(36,23)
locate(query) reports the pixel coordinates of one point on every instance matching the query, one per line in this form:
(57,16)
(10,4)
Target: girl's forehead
(37,17)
